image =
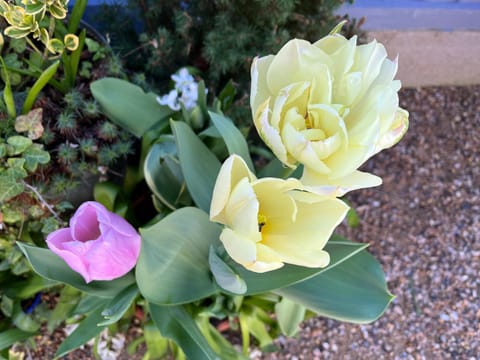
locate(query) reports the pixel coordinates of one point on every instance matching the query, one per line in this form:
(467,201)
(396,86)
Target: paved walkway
(438,41)
(416,14)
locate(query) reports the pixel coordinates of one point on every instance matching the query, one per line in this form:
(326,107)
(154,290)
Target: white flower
(171,100)
(182,79)
(190,96)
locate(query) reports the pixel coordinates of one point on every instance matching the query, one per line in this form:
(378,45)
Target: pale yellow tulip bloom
(330,106)
(270,221)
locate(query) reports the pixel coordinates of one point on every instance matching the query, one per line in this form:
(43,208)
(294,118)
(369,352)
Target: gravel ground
(423,224)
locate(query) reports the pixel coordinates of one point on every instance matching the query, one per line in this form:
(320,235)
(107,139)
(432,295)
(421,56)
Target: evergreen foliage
(221,37)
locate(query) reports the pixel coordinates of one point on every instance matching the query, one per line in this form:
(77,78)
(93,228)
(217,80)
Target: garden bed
(423,224)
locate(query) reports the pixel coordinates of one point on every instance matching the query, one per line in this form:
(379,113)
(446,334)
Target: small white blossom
(182,79)
(171,100)
(190,96)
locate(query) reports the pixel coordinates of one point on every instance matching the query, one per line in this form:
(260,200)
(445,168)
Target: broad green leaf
(354,291)
(338,248)
(225,277)
(236,143)
(175,323)
(11,336)
(86,330)
(289,315)
(163,172)
(119,305)
(199,165)
(89,303)
(51,266)
(173,263)
(128,106)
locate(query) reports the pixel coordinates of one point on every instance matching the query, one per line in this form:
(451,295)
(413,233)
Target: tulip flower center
(262,221)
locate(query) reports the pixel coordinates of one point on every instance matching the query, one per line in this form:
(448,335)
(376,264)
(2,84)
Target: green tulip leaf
(11,336)
(86,330)
(173,263)
(289,315)
(128,106)
(338,248)
(353,291)
(199,165)
(234,140)
(175,323)
(50,266)
(163,173)
(119,305)
(225,277)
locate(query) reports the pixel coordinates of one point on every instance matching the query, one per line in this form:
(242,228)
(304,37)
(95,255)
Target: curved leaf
(235,141)
(86,330)
(173,264)
(199,165)
(176,323)
(11,336)
(354,291)
(163,173)
(50,266)
(42,80)
(225,277)
(119,305)
(338,248)
(128,106)
(289,315)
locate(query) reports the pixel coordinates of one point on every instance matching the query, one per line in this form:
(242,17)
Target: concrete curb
(429,58)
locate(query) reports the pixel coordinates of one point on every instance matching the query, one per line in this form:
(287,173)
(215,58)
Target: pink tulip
(99,244)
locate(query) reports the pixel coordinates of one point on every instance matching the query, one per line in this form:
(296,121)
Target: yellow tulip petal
(297,60)
(231,172)
(397,131)
(259,90)
(321,184)
(239,248)
(271,135)
(242,210)
(275,202)
(302,150)
(340,50)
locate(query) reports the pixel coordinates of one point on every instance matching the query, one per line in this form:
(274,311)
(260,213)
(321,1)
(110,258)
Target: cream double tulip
(270,221)
(330,106)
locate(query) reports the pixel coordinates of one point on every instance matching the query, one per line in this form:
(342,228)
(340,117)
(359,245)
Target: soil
(423,225)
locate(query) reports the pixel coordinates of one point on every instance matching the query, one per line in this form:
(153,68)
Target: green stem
(30,42)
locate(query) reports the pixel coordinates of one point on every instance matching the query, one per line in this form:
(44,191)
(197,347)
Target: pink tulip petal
(122,226)
(84,223)
(99,244)
(113,256)
(56,242)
